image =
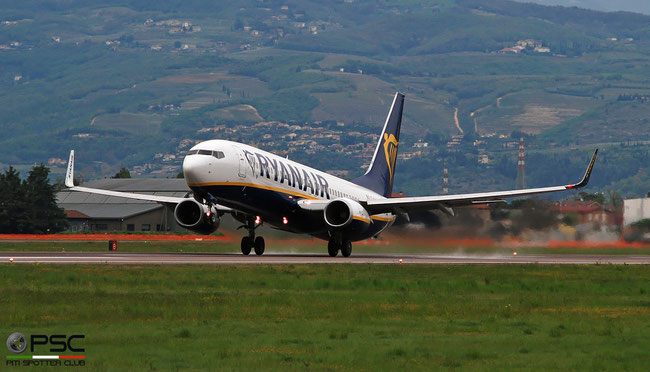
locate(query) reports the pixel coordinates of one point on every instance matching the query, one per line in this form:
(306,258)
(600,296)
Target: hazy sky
(638,6)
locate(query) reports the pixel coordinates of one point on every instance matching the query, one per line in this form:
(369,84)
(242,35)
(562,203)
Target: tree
(614,199)
(29,206)
(498,212)
(44,214)
(536,214)
(643,224)
(598,197)
(13,216)
(570,219)
(123,173)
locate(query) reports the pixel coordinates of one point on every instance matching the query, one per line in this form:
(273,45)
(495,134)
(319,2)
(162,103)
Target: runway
(119,258)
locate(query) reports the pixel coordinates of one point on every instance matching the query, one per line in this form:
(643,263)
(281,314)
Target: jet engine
(197,217)
(347,215)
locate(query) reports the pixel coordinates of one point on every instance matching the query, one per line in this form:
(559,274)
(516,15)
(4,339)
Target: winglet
(585,179)
(69,174)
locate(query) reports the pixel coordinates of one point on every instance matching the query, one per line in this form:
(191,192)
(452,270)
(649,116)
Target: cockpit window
(216,154)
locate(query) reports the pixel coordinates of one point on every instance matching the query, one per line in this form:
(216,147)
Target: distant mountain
(636,6)
(134,84)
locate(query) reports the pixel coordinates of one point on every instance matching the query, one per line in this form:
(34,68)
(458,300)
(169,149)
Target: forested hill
(635,6)
(135,83)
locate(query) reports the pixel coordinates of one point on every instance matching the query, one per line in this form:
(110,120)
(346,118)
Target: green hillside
(132,83)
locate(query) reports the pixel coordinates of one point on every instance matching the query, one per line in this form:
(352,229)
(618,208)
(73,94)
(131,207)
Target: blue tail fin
(379,176)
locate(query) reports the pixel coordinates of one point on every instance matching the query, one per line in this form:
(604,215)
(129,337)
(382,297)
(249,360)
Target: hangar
(96,213)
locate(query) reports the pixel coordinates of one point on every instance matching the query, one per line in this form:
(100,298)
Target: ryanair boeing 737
(258,187)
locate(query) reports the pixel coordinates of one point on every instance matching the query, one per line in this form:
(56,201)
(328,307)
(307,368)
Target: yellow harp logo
(390,149)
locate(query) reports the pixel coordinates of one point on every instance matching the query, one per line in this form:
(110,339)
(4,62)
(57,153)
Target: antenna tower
(445,180)
(521,166)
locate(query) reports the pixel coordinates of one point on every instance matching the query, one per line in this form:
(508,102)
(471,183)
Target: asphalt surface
(293,258)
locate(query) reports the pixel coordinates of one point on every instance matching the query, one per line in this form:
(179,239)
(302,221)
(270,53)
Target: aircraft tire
(259,246)
(246,245)
(346,248)
(332,248)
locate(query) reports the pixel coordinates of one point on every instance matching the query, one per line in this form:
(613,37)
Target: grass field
(338,317)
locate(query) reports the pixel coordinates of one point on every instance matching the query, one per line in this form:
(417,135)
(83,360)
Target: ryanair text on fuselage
(293,176)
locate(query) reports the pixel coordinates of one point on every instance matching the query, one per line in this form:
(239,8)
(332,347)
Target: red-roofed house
(589,212)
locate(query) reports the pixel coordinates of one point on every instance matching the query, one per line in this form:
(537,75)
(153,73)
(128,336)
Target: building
(92,212)
(510,50)
(588,212)
(635,210)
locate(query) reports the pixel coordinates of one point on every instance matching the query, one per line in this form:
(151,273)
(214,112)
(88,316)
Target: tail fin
(379,176)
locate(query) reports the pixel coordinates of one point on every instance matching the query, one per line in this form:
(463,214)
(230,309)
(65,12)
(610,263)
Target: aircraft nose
(195,168)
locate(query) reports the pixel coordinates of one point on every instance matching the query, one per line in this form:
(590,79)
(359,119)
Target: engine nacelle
(197,217)
(347,215)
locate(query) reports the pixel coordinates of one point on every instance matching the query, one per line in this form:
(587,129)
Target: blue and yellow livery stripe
(385,219)
(288,192)
(256,186)
(361,219)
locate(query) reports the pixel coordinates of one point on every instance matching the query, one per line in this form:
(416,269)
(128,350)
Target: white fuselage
(222,167)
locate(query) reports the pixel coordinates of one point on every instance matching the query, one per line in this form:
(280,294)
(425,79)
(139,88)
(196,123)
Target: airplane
(257,187)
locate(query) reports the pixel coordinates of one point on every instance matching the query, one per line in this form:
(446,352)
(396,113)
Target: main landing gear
(248,244)
(336,245)
(251,242)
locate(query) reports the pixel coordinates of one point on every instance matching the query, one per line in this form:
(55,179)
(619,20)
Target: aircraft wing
(130,195)
(69,183)
(446,202)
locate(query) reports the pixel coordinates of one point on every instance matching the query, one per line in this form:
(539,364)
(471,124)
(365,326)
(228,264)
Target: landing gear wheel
(246,245)
(259,246)
(332,248)
(346,248)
